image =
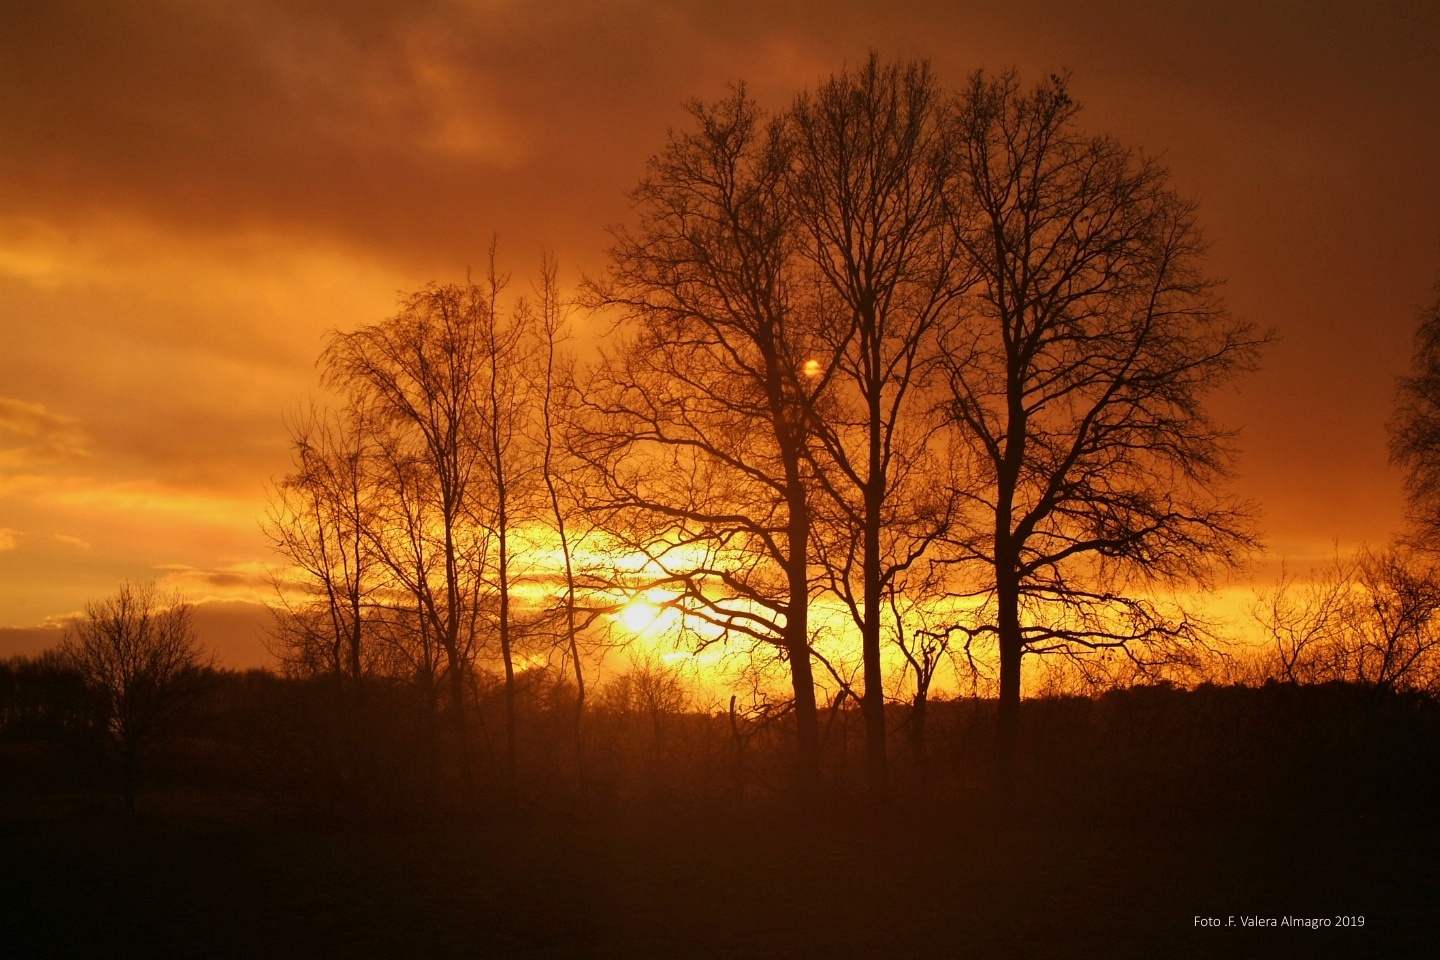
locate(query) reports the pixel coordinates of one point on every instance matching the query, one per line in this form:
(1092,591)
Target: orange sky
(192,194)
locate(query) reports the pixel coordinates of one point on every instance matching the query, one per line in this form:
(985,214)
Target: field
(1061,872)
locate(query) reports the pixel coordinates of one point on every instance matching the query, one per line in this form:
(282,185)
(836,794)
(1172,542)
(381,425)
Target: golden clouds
(248,582)
(33,437)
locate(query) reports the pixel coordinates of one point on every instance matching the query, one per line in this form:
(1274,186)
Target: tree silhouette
(871,165)
(697,426)
(139,654)
(506,349)
(321,520)
(1373,619)
(419,373)
(1415,431)
(1077,380)
(554,375)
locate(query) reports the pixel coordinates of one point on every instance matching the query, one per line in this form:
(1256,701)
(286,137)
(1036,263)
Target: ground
(199,877)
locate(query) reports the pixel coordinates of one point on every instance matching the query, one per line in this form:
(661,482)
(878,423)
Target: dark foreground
(1137,816)
(677,883)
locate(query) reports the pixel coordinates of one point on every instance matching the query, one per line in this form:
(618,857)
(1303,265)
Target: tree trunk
(1007,727)
(127,781)
(797,635)
(505,648)
(431,733)
(873,700)
(462,726)
(917,723)
(807,720)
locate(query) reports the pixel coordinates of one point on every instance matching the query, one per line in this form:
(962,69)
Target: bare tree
(1303,617)
(920,633)
(871,165)
(1415,431)
(139,654)
(555,380)
(321,520)
(331,597)
(505,346)
(1371,619)
(697,425)
(418,372)
(1077,379)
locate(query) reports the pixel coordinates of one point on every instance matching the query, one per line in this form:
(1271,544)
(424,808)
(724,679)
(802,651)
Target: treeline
(1342,663)
(282,745)
(901,383)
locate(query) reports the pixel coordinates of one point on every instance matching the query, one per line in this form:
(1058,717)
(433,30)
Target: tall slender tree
(506,348)
(322,522)
(554,375)
(871,165)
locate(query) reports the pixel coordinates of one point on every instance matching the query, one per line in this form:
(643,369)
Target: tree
(697,427)
(871,168)
(419,374)
(554,374)
(140,656)
(1415,431)
(330,616)
(506,351)
(1077,381)
(1373,619)
(703,446)
(321,519)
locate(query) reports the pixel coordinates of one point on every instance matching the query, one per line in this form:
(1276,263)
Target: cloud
(8,538)
(235,631)
(245,582)
(32,436)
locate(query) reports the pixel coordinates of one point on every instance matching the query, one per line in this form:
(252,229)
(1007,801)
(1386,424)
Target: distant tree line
(259,744)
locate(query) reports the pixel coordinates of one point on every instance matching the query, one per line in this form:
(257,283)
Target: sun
(639,616)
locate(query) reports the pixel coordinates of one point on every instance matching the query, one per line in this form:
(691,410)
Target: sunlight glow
(639,616)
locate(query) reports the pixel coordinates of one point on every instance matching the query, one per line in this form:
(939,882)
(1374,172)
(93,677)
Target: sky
(192,194)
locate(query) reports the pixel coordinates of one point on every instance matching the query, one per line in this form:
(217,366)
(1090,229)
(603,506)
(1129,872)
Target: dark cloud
(234,632)
(417,128)
(414,128)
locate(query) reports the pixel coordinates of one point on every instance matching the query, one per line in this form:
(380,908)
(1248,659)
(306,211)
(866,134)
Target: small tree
(1373,619)
(139,654)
